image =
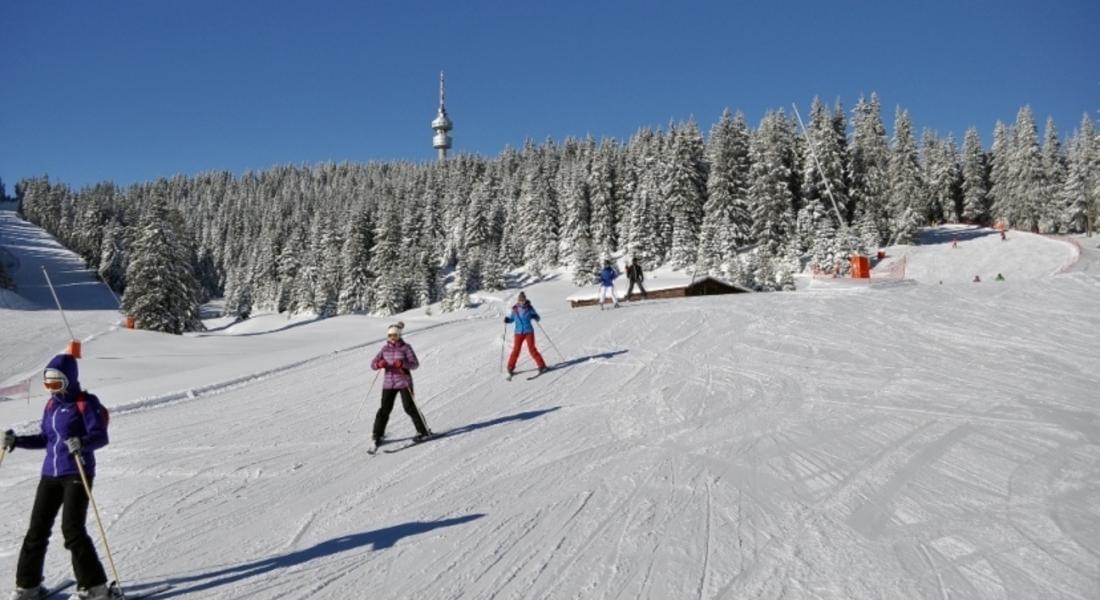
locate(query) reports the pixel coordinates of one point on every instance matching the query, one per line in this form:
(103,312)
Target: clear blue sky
(132,90)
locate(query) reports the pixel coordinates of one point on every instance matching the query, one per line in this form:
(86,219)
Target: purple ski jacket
(62,420)
(393,351)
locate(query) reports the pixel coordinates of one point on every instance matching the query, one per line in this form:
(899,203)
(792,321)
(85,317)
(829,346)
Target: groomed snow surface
(897,440)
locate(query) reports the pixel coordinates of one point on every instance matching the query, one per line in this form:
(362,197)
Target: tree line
(750,205)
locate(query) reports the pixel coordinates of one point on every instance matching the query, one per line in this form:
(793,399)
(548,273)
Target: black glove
(9,440)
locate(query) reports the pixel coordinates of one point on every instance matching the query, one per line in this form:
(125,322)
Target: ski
(52,592)
(411,443)
(542,372)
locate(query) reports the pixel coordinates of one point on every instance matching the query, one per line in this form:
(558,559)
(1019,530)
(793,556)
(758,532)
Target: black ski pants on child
(383,416)
(67,495)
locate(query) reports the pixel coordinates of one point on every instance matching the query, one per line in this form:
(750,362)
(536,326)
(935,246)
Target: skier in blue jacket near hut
(607,284)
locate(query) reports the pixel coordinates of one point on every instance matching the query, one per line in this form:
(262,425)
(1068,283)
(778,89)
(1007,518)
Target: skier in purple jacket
(398,359)
(73,423)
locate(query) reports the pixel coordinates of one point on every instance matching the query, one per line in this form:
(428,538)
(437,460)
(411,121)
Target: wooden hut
(703,286)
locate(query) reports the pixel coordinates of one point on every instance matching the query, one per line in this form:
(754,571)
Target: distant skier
(635,275)
(607,284)
(1000,277)
(398,359)
(73,422)
(977,279)
(1003,238)
(522,315)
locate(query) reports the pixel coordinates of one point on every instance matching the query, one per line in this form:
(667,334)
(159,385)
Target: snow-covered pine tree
(601,194)
(830,151)
(456,297)
(726,220)
(974,184)
(538,218)
(770,195)
(1027,177)
(161,291)
(1051,204)
(386,261)
(684,193)
(869,172)
(1000,160)
(906,188)
(1081,191)
(642,232)
(356,293)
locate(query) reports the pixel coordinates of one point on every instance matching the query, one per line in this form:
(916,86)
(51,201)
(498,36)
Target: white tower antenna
(442,125)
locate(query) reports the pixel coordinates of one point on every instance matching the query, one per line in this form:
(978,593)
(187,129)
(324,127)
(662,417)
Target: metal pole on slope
(828,188)
(55,299)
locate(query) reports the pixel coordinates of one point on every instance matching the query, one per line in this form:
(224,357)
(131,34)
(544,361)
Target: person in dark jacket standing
(523,314)
(73,423)
(635,275)
(398,360)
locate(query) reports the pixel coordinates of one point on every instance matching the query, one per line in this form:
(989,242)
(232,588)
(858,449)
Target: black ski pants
(631,288)
(65,494)
(383,416)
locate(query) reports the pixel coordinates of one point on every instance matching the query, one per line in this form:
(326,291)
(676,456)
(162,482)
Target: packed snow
(902,439)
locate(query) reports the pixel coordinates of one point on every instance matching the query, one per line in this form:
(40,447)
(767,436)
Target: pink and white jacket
(391,352)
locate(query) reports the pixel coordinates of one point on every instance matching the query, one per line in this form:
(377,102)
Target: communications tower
(442,125)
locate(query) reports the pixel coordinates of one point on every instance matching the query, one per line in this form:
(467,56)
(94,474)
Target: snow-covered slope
(909,441)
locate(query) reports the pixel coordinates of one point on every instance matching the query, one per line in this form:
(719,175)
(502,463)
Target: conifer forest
(753,206)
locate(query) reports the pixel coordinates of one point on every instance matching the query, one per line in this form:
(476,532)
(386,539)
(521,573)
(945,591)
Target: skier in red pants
(522,315)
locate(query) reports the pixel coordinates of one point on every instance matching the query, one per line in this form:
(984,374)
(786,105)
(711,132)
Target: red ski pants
(518,344)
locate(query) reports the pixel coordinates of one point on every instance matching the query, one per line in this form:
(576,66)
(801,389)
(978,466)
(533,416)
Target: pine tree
(999,184)
(356,294)
(974,190)
(726,221)
(770,195)
(601,192)
(642,236)
(162,292)
(1081,191)
(1026,175)
(906,188)
(684,194)
(869,169)
(1051,207)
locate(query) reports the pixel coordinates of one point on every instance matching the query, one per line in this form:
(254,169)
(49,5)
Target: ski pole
(99,522)
(543,329)
(503,342)
(3,453)
(367,399)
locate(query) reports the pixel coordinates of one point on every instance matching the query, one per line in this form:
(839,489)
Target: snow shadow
(379,539)
(523,416)
(576,361)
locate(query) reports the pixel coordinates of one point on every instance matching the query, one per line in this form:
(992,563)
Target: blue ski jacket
(61,420)
(607,276)
(522,315)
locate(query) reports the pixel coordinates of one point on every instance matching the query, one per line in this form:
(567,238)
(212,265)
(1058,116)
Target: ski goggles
(55,381)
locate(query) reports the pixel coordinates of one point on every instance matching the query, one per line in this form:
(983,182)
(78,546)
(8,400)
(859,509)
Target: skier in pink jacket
(398,359)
